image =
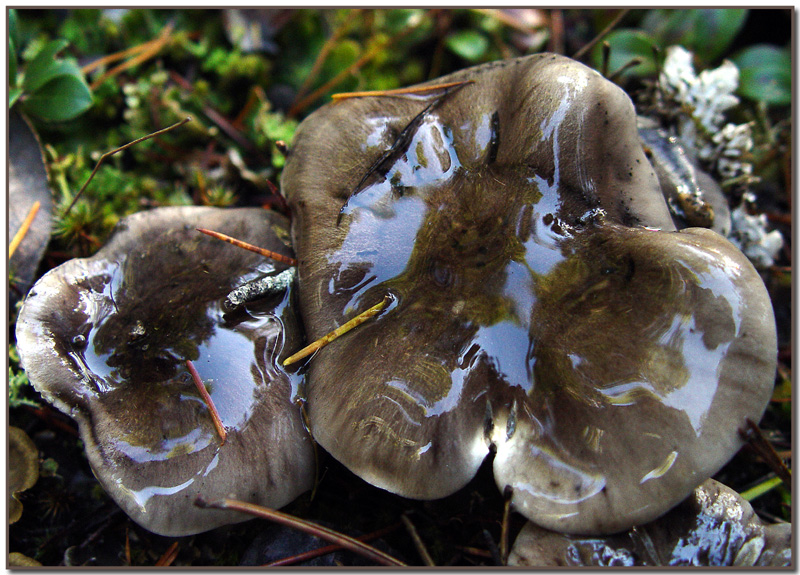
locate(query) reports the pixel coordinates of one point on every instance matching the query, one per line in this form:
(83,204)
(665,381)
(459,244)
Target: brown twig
(556,31)
(127,547)
(504,547)
(147,51)
(306,526)
(475,551)
(219,119)
(354,67)
(323,54)
(755,438)
(169,556)
(51,418)
(603,33)
(635,61)
(215,418)
(418,543)
(250,247)
(23,229)
(125,147)
(320,551)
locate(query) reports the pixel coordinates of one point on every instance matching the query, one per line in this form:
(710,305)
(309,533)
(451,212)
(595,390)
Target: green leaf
(765,74)
(627,44)
(12,63)
(707,32)
(63,98)
(13,95)
(56,69)
(13,33)
(44,66)
(469,44)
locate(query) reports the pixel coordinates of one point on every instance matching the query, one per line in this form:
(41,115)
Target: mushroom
(23,469)
(714,526)
(106,339)
(694,198)
(543,305)
(27,187)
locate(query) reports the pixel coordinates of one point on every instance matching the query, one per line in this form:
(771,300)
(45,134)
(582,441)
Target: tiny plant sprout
(545,307)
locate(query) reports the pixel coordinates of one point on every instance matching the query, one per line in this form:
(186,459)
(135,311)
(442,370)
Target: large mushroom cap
(105,339)
(543,304)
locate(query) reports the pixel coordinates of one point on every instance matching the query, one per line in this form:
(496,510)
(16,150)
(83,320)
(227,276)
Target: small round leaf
(62,98)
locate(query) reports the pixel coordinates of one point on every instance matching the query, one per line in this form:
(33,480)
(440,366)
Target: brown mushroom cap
(543,304)
(23,469)
(27,184)
(105,340)
(714,526)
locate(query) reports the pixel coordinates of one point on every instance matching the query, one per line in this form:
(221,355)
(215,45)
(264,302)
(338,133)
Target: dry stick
(358,64)
(169,556)
(475,551)
(216,117)
(557,31)
(23,229)
(302,525)
(765,449)
(127,547)
(209,403)
(606,57)
(244,245)
(111,58)
(602,34)
(492,547)
(323,53)
(326,339)
(630,64)
(150,49)
(400,91)
(421,549)
(125,147)
(320,551)
(507,493)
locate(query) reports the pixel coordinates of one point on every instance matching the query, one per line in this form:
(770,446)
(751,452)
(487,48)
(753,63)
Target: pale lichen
(703,100)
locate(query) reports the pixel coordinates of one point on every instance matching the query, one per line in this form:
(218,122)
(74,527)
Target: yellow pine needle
(146,51)
(23,229)
(215,418)
(399,91)
(326,339)
(244,245)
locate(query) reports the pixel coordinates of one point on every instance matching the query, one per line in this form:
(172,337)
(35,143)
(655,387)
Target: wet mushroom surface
(543,306)
(106,339)
(714,526)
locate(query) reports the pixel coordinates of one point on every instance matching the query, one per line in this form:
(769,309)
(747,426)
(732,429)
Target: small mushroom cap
(27,184)
(23,469)
(543,304)
(105,339)
(714,526)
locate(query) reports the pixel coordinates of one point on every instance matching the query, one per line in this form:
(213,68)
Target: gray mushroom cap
(543,304)
(714,526)
(105,340)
